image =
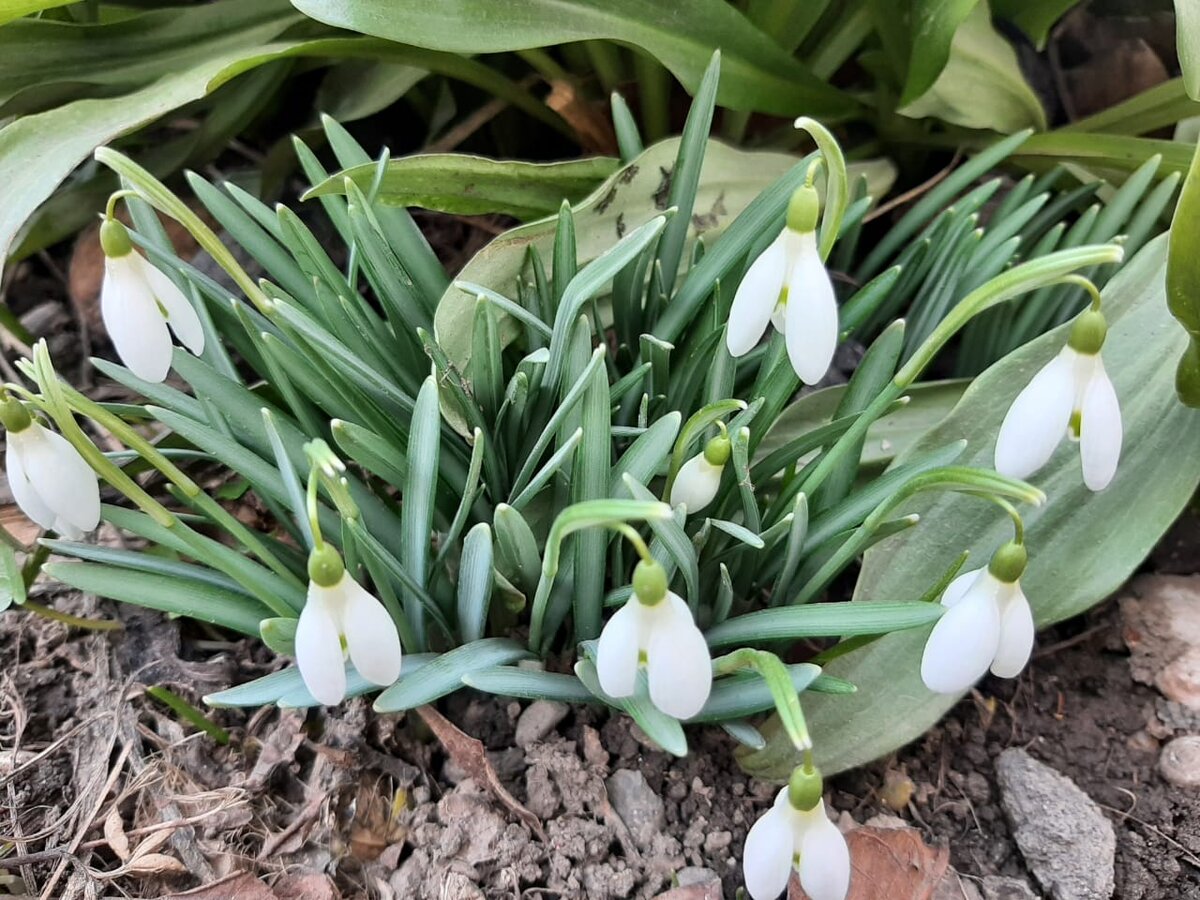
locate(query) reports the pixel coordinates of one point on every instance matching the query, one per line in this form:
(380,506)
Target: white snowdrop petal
(756,298)
(181,315)
(812,314)
(824,858)
(678,667)
(1016,634)
(767,855)
(319,649)
(64,482)
(23,490)
(68,530)
(963,642)
(1100,431)
(957,589)
(1037,420)
(697,484)
(133,320)
(617,652)
(371,635)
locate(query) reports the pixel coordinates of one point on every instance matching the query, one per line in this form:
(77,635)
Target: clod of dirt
(1065,839)
(639,807)
(537,721)
(1161,619)
(1180,761)
(999,887)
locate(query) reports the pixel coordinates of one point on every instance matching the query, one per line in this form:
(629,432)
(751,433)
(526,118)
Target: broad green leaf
(12,581)
(1163,105)
(1077,556)
(177,596)
(444,674)
(14,9)
(981,85)
(1113,156)
(1034,17)
(757,73)
(474,185)
(1187,40)
(933,23)
(1183,281)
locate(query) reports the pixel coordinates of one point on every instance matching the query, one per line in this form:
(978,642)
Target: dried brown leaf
(114,834)
(895,863)
(309,886)
(154,864)
(590,123)
(470,756)
(239,886)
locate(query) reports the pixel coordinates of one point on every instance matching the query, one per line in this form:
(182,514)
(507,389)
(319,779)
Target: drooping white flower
(51,482)
(662,636)
(785,837)
(1071,395)
(341,617)
(987,624)
(138,303)
(788,285)
(699,478)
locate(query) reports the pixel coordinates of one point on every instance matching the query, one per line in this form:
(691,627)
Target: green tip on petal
(1088,333)
(14,415)
(804,209)
(718,450)
(114,239)
(805,787)
(325,566)
(1008,562)
(650,582)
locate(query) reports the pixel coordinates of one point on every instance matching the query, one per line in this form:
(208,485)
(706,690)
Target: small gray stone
(538,720)
(639,807)
(954,887)
(998,887)
(1180,761)
(1065,839)
(690,875)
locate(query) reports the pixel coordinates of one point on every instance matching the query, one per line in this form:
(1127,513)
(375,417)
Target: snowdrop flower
(51,482)
(699,478)
(340,616)
(1071,395)
(138,303)
(788,286)
(655,628)
(987,624)
(796,833)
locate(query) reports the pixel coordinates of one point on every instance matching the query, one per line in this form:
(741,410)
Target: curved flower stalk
(655,629)
(796,833)
(138,303)
(699,478)
(50,480)
(342,618)
(788,286)
(1071,395)
(988,624)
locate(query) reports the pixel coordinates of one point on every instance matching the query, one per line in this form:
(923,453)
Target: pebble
(639,807)
(1180,761)
(1065,839)
(690,875)
(537,721)
(999,887)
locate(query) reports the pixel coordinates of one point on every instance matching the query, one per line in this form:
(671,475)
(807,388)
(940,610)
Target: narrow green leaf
(839,619)
(475,582)
(665,731)
(444,674)
(416,513)
(529,684)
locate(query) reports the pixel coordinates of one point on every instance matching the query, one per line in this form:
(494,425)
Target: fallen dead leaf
(114,834)
(591,125)
(310,886)
(895,863)
(154,864)
(239,886)
(470,756)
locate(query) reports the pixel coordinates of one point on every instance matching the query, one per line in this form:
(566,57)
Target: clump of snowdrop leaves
(988,625)
(51,482)
(1073,396)
(655,630)
(139,303)
(788,286)
(796,833)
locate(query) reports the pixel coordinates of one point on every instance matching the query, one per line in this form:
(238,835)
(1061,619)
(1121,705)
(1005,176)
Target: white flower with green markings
(988,624)
(699,478)
(788,285)
(51,482)
(1071,395)
(340,618)
(138,303)
(655,629)
(796,833)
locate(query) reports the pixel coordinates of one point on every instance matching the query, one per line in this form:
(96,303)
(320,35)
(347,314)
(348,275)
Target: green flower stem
(110,208)
(161,198)
(779,681)
(1018,280)
(634,538)
(837,188)
(188,713)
